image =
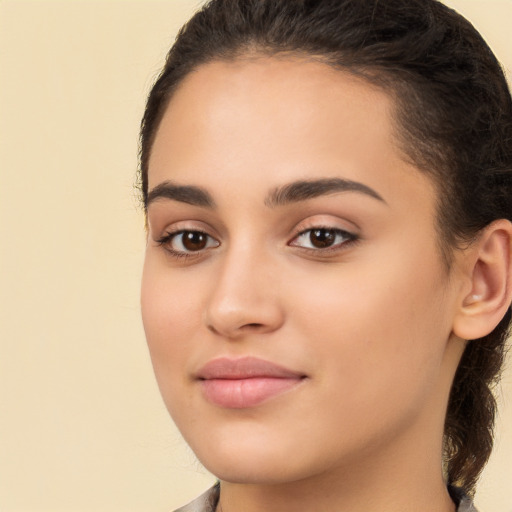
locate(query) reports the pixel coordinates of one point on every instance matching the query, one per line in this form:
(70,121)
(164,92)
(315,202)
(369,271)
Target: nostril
(252,326)
(241,329)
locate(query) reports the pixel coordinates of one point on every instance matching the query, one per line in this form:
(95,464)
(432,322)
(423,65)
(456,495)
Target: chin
(256,472)
(258,462)
(236,465)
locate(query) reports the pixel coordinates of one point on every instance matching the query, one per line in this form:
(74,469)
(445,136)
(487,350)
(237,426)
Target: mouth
(245,382)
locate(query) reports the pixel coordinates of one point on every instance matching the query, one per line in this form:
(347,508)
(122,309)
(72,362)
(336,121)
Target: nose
(244,298)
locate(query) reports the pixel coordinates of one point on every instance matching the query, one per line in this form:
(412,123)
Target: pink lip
(245,382)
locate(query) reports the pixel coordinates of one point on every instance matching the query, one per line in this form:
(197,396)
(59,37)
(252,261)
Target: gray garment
(464,502)
(207,502)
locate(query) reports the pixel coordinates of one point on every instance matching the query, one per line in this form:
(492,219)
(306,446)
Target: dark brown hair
(454,122)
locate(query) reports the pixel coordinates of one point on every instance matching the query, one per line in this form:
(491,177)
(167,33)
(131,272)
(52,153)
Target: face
(296,307)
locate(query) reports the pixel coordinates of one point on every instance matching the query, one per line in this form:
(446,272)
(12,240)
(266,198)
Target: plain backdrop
(82,425)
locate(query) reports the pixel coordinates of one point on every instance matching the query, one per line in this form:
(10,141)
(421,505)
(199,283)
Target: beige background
(82,426)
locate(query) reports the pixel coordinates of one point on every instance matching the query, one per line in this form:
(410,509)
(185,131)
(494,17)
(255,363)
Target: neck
(378,485)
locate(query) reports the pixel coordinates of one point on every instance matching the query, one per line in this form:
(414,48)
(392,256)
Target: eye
(185,242)
(322,238)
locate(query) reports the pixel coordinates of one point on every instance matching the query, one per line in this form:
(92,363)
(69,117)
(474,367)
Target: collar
(207,502)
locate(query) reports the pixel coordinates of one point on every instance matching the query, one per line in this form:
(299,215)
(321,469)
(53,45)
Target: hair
(453,118)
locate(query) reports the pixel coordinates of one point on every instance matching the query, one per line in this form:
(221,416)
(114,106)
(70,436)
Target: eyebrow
(290,193)
(308,189)
(189,194)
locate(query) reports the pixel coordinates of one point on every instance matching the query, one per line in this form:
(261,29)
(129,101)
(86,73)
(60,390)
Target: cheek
(377,329)
(170,314)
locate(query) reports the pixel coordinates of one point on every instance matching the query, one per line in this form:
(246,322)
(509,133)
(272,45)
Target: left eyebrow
(309,189)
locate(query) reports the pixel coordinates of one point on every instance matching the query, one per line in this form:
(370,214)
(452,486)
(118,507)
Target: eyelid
(347,230)
(159,231)
(167,216)
(326,222)
(347,237)
(172,232)
(167,240)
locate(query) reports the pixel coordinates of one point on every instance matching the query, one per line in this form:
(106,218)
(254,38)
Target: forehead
(274,120)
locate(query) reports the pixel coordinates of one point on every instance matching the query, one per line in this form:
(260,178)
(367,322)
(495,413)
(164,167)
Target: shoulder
(207,502)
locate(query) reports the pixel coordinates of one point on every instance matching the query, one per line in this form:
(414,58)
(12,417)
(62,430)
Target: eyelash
(348,240)
(166,240)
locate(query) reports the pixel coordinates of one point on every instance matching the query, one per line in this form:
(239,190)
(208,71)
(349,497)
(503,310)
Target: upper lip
(244,368)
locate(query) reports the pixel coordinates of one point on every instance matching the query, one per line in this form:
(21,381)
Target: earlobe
(490,261)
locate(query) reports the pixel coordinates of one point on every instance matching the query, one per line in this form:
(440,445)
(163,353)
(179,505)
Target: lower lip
(244,393)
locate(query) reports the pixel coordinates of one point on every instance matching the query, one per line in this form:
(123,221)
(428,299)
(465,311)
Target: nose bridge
(241,297)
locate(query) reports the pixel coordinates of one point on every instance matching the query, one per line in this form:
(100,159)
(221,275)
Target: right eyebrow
(189,194)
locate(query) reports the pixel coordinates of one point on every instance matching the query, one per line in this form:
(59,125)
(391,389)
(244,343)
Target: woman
(327,283)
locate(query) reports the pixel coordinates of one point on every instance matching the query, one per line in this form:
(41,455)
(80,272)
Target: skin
(368,323)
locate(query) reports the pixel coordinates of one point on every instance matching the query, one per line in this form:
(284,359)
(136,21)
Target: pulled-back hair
(453,118)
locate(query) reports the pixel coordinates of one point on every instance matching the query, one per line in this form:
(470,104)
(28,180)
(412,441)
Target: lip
(245,382)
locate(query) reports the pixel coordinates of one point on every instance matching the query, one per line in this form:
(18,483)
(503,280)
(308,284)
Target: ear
(488,266)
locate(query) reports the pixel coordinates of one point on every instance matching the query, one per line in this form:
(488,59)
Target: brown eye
(194,240)
(185,242)
(321,238)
